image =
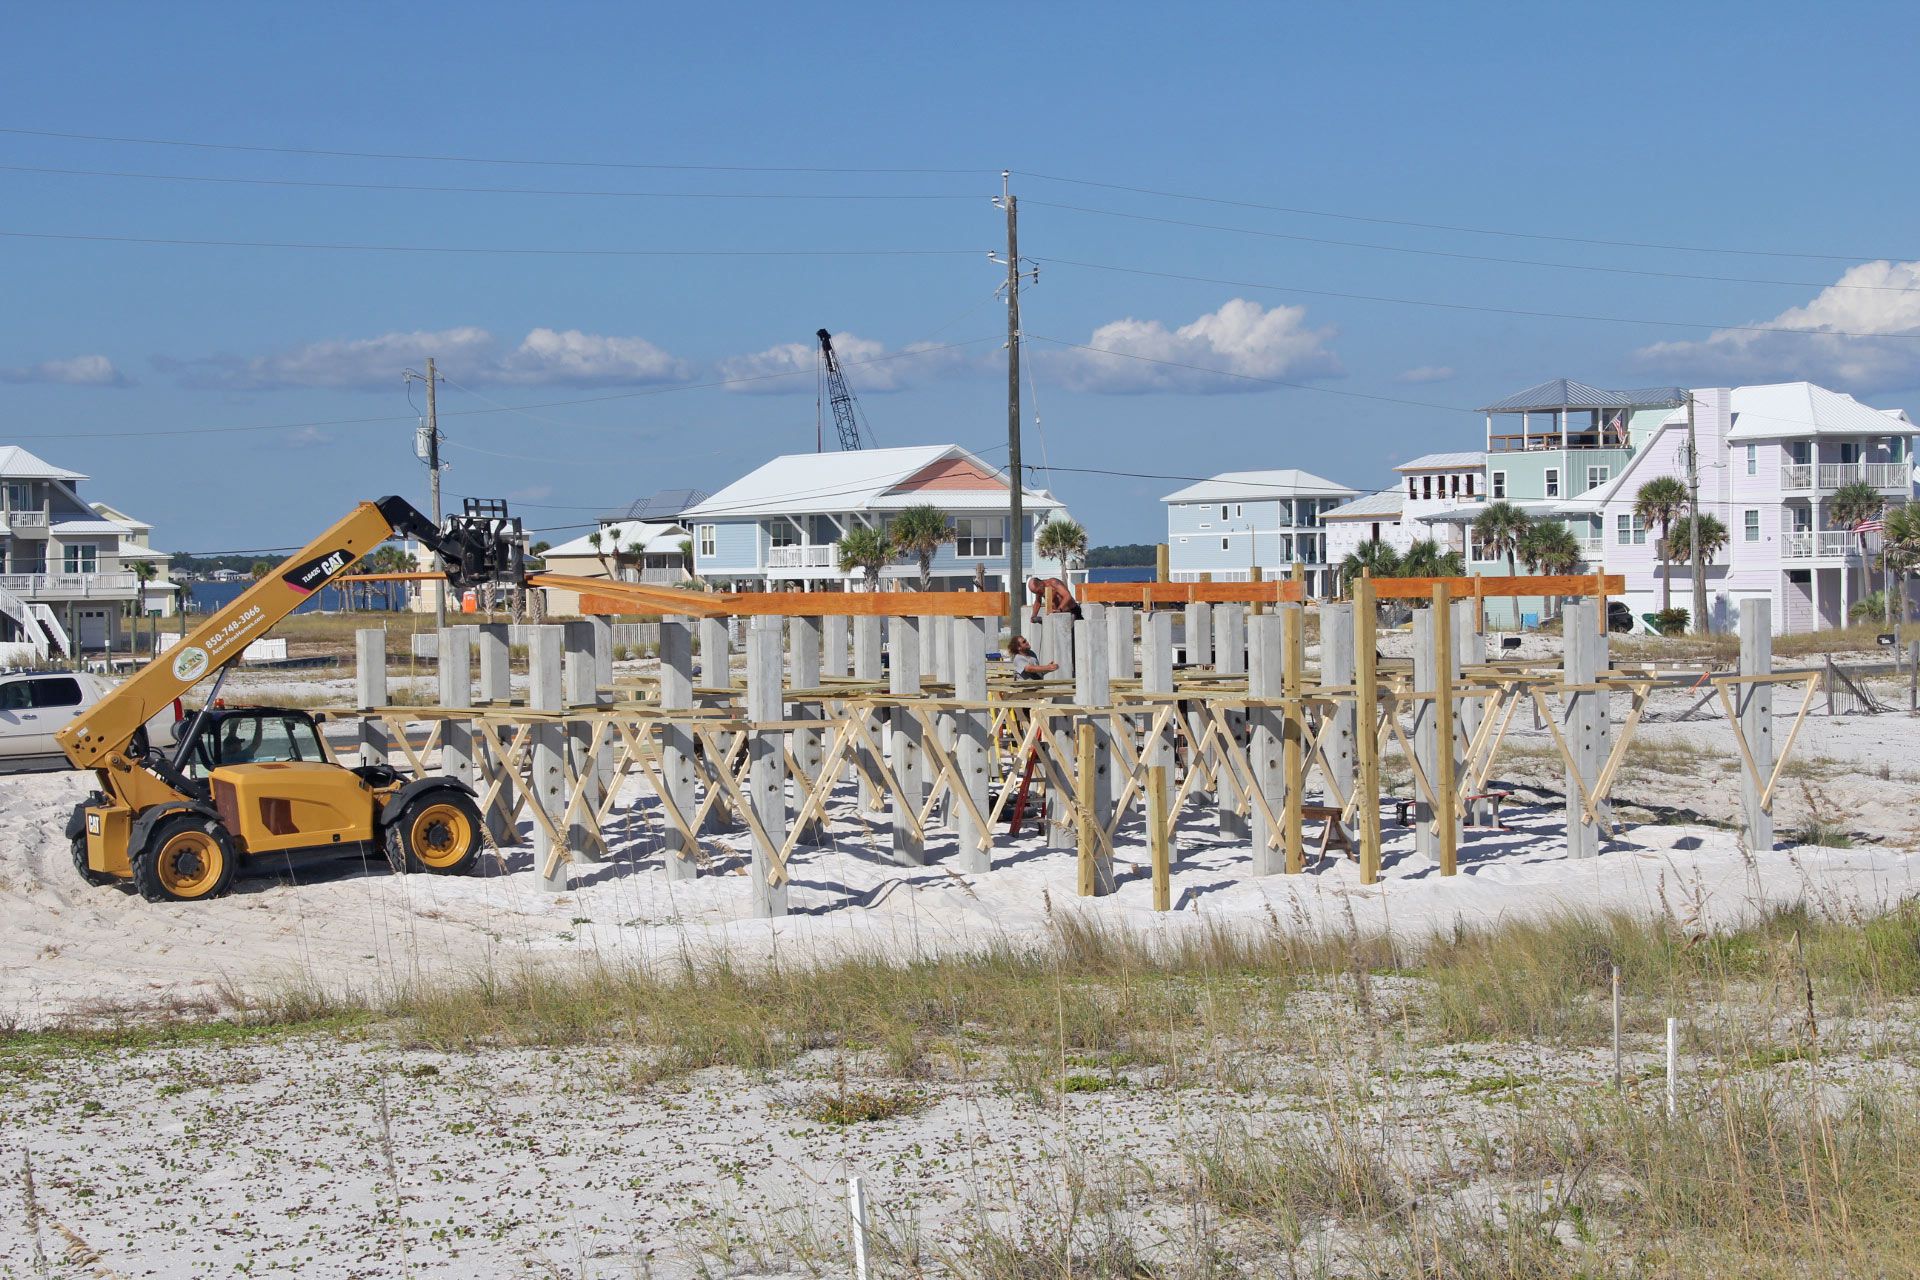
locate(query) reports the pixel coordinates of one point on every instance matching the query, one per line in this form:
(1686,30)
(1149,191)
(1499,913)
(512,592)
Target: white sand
(69,948)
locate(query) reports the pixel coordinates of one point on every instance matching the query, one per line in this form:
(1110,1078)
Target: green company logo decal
(191,662)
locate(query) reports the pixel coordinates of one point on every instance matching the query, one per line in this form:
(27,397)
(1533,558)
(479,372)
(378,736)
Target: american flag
(1875,525)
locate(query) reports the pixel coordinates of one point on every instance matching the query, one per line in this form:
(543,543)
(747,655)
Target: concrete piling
(1583,720)
(1092,689)
(370,690)
(1265,679)
(971,742)
(676,740)
(766,759)
(909,772)
(546,656)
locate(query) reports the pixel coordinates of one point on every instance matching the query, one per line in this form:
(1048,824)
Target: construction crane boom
(845,421)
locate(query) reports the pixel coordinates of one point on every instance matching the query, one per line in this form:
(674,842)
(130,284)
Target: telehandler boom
(257,787)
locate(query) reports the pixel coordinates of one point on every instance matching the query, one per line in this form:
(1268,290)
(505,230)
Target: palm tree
(1061,540)
(1425,559)
(1499,528)
(144,571)
(866,550)
(1712,537)
(1661,501)
(686,556)
(1900,548)
(1852,503)
(1372,556)
(1549,547)
(919,531)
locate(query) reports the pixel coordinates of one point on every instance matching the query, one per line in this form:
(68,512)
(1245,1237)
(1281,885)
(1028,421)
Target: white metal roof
(1444,461)
(17,464)
(1253,486)
(89,526)
(1805,409)
(855,480)
(628,535)
(1467,514)
(1372,507)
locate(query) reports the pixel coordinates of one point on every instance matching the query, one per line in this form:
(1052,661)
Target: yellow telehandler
(256,788)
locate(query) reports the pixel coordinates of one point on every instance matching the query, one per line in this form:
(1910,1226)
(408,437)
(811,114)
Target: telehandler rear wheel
(188,858)
(437,832)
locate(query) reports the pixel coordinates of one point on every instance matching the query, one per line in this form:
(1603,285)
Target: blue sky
(1716,127)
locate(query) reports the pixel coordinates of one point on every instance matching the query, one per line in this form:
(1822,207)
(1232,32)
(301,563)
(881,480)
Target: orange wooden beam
(1170,593)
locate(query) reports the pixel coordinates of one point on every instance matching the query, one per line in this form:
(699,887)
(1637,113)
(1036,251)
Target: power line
(508,250)
(1468,306)
(1466,257)
(451,190)
(497,407)
(466,159)
(1457,227)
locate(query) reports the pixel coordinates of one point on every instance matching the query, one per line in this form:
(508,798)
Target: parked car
(1619,617)
(35,705)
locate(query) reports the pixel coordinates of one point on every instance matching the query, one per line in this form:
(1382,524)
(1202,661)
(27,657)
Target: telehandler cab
(256,788)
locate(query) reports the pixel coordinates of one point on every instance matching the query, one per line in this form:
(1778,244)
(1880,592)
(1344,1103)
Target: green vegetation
(1126,555)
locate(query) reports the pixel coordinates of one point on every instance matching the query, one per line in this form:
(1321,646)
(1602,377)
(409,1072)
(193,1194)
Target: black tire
(98,879)
(188,857)
(439,832)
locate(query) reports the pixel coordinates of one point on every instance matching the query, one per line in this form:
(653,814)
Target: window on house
(1426,486)
(1456,486)
(1223,511)
(81,559)
(979,537)
(1413,486)
(1753,525)
(1469,484)
(709,540)
(20,497)
(1553,482)
(1223,544)
(1497,486)
(1597,476)
(1632,530)
(1239,509)
(781,533)
(1753,459)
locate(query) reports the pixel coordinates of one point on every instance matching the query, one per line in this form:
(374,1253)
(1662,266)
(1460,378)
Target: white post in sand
(766,760)
(545,692)
(676,740)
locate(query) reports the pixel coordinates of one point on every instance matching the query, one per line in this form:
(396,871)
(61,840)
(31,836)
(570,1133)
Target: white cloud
(307,438)
(79,371)
(585,359)
(1426,373)
(1241,337)
(1877,299)
(789,367)
(468,353)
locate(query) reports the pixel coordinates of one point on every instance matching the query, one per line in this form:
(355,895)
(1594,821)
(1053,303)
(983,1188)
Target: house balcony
(1796,475)
(1824,544)
(815,556)
(1880,475)
(27,524)
(70,586)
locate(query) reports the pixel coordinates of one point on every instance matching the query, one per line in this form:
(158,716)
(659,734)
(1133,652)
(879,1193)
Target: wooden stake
(1159,839)
(1293,659)
(1366,741)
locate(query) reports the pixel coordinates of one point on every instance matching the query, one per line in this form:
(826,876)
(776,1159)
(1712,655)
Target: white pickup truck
(34,705)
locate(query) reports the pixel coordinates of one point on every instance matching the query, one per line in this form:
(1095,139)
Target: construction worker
(1026,664)
(1054,595)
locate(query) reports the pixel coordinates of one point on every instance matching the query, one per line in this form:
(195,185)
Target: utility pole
(1016,535)
(433,473)
(1700,626)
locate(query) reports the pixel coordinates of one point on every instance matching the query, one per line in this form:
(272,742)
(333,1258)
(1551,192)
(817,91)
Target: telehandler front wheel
(187,858)
(437,832)
(80,864)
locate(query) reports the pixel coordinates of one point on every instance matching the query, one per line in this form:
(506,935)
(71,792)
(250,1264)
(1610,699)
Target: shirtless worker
(1052,593)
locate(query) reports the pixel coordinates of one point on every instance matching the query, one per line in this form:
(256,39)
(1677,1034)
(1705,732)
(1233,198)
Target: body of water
(209,596)
(1122,573)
